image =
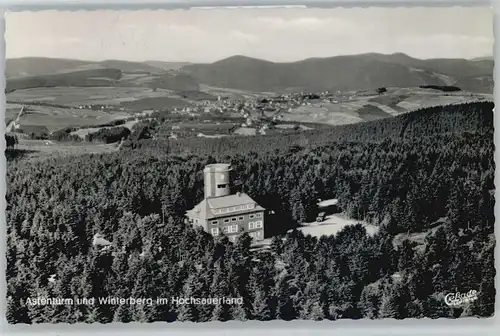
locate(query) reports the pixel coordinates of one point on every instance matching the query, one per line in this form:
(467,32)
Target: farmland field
(246,131)
(369,106)
(292,126)
(84,131)
(56,118)
(61,107)
(76,96)
(207,129)
(155,103)
(37,149)
(232,93)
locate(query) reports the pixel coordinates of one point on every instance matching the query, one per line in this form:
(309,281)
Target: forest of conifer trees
(429,173)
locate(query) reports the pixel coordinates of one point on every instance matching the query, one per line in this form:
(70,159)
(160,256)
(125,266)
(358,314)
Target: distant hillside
(485,58)
(32,72)
(92,77)
(126,66)
(167,65)
(343,73)
(36,66)
(482,84)
(175,82)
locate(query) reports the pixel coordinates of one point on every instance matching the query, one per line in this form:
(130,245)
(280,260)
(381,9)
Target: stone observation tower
(217,179)
(221,212)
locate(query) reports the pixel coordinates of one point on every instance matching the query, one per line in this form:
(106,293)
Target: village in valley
(161,173)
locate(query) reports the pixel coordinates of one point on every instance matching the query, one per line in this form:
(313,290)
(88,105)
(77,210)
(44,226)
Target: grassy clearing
(419,237)
(11,112)
(207,129)
(37,149)
(389,99)
(371,112)
(333,114)
(55,118)
(332,225)
(76,96)
(154,103)
(232,93)
(364,106)
(245,131)
(84,131)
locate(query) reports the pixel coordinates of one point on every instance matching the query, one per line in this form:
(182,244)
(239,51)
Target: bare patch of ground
(245,131)
(333,224)
(41,148)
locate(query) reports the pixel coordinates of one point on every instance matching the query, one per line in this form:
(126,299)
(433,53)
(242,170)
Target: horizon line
(251,57)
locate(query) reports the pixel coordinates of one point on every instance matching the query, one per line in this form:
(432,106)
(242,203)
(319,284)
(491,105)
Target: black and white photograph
(249,164)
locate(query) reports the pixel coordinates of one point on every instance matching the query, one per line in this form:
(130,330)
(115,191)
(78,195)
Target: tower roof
(215,167)
(206,209)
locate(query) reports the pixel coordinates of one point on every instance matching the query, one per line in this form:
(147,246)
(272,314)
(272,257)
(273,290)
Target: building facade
(221,212)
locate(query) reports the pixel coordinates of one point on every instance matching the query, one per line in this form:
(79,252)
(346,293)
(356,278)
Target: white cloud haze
(273,34)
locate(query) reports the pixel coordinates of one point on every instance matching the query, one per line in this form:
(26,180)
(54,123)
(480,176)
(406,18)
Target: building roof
(218,167)
(327,203)
(206,209)
(100,241)
(230,200)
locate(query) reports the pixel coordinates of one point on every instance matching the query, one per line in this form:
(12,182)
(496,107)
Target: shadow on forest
(277,224)
(12,153)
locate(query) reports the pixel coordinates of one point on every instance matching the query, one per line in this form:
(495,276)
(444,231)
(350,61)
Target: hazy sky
(272,34)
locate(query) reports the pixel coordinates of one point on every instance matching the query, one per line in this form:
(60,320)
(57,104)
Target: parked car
(321,217)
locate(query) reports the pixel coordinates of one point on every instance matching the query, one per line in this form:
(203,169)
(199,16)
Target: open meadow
(55,118)
(41,149)
(333,224)
(61,107)
(359,106)
(80,96)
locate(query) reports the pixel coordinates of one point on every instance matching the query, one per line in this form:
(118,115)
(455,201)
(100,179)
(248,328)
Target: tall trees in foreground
(427,182)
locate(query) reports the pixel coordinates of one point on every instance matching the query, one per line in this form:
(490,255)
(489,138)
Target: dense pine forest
(427,173)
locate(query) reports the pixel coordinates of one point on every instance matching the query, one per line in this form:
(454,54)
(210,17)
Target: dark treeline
(64,134)
(11,140)
(115,122)
(80,78)
(451,119)
(430,171)
(444,88)
(108,135)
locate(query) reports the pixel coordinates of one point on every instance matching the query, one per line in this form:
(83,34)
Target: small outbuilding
(100,241)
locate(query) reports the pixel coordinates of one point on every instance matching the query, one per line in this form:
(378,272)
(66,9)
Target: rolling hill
(131,67)
(345,73)
(167,65)
(81,78)
(36,66)
(33,72)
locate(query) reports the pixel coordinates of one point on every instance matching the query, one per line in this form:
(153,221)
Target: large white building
(221,212)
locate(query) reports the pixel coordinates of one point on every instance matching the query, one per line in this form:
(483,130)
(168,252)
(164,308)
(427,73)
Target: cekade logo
(457,299)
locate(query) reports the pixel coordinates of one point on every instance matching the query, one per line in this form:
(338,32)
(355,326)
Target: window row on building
(234,228)
(230,229)
(255,225)
(256,234)
(226,229)
(235,219)
(234,209)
